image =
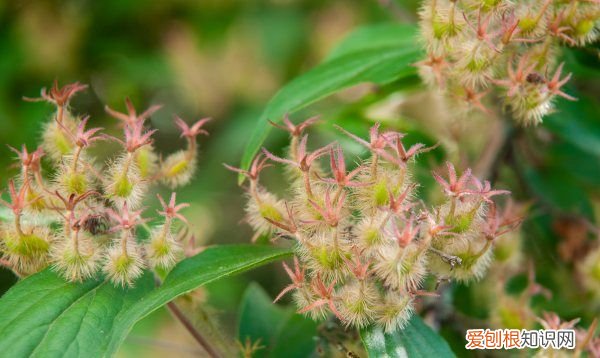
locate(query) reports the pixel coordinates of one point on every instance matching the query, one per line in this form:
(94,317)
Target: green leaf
(415,340)
(44,315)
(280,331)
(296,338)
(356,61)
(380,36)
(577,123)
(260,319)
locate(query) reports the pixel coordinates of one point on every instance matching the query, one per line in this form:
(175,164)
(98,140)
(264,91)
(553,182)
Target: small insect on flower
(96,224)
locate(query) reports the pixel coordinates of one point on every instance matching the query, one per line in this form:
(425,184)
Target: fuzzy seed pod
(123,267)
(262,212)
(163,250)
(357,302)
(402,268)
(364,244)
(27,251)
(125,184)
(369,233)
(178,168)
(56,141)
(71,221)
(394,312)
(73,181)
(511,313)
(76,261)
(473,257)
(470,44)
(146,161)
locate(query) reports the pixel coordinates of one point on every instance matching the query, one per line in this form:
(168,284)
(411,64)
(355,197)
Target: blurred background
(225,59)
(207,58)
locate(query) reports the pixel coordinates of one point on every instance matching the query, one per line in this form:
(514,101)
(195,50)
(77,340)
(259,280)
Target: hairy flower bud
(178,168)
(364,244)
(471,43)
(163,250)
(83,218)
(26,249)
(123,263)
(76,258)
(124,183)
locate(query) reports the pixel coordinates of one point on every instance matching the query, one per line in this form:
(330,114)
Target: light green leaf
(380,36)
(415,340)
(46,316)
(356,61)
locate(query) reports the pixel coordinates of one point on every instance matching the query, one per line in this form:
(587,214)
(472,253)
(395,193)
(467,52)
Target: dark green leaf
(577,123)
(280,331)
(296,339)
(260,319)
(355,62)
(44,315)
(415,340)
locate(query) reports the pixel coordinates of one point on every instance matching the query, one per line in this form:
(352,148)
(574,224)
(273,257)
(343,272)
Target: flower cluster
(475,46)
(364,243)
(82,218)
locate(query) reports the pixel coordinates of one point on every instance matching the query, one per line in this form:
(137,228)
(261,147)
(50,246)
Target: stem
(76,241)
(191,151)
(452,207)
(385,220)
(452,10)
(335,238)
(128,161)
(338,193)
(307,184)
(40,181)
(572,10)
(542,11)
(546,49)
(294,148)
(124,242)
(166,228)
(450,259)
(18,225)
(76,157)
(193,331)
(484,249)
(498,145)
(254,191)
(374,165)
(59,114)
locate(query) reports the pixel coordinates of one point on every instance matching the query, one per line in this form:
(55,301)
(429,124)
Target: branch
(495,152)
(177,313)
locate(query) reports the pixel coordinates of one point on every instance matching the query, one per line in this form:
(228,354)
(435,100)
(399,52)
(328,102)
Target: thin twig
(488,164)
(177,313)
